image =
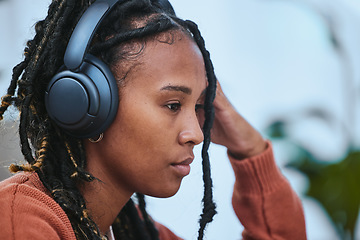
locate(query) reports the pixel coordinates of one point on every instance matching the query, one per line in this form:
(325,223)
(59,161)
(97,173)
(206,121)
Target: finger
(221,102)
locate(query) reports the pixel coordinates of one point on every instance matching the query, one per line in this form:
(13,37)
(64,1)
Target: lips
(183,168)
(188,161)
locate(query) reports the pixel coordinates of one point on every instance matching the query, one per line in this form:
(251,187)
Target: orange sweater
(263,201)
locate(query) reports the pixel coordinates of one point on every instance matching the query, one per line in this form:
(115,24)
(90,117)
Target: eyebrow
(183,89)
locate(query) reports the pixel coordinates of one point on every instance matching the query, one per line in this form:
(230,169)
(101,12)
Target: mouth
(183,168)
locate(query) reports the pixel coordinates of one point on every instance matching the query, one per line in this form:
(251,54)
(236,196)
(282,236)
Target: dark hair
(58,158)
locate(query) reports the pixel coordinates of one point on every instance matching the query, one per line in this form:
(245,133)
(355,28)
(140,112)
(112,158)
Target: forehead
(173,49)
(170,57)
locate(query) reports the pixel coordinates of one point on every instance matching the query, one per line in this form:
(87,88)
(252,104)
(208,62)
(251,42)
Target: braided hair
(58,158)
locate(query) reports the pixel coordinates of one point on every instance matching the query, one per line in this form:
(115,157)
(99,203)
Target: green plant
(335,185)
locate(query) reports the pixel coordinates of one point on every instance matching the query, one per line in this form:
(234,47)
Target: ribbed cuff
(258,174)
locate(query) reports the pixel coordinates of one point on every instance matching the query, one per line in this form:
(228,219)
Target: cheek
(140,134)
(142,121)
(138,130)
(140,146)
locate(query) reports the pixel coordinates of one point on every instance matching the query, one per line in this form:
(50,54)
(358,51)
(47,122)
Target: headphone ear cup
(84,102)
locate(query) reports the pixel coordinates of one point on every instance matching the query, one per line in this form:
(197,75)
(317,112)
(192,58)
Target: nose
(191,132)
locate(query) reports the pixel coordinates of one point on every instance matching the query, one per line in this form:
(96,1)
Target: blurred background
(291,67)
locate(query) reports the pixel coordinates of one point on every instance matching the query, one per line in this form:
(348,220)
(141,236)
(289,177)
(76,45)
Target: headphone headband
(84,32)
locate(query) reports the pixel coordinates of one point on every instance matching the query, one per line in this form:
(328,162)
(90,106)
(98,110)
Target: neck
(104,197)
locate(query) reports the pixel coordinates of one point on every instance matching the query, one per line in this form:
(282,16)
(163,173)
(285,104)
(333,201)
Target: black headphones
(82,98)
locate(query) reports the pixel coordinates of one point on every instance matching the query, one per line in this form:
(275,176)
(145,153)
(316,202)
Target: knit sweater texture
(263,201)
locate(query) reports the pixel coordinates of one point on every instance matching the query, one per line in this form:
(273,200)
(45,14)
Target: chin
(164,192)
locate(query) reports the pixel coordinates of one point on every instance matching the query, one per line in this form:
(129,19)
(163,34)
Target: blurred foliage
(334,185)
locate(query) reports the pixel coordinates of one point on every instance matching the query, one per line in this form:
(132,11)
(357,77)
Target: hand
(231,130)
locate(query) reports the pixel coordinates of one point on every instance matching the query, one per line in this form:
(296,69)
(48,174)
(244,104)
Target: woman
(78,183)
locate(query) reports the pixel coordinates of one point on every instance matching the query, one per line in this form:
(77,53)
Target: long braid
(139,231)
(7,100)
(161,25)
(148,222)
(37,58)
(25,145)
(25,87)
(209,205)
(60,159)
(64,191)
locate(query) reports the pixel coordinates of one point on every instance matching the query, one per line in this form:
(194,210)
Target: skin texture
(156,128)
(231,130)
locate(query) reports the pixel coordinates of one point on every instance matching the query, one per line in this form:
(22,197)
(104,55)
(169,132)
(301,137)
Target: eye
(174,106)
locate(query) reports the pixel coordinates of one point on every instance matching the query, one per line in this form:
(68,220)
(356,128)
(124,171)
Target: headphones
(82,98)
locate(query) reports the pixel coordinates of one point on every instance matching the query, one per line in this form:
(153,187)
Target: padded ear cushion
(84,103)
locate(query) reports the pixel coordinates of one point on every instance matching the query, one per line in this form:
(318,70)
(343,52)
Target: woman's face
(149,146)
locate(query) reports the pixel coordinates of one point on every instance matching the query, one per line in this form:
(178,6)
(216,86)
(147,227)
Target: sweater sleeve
(27,213)
(264,201)
(165,233)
